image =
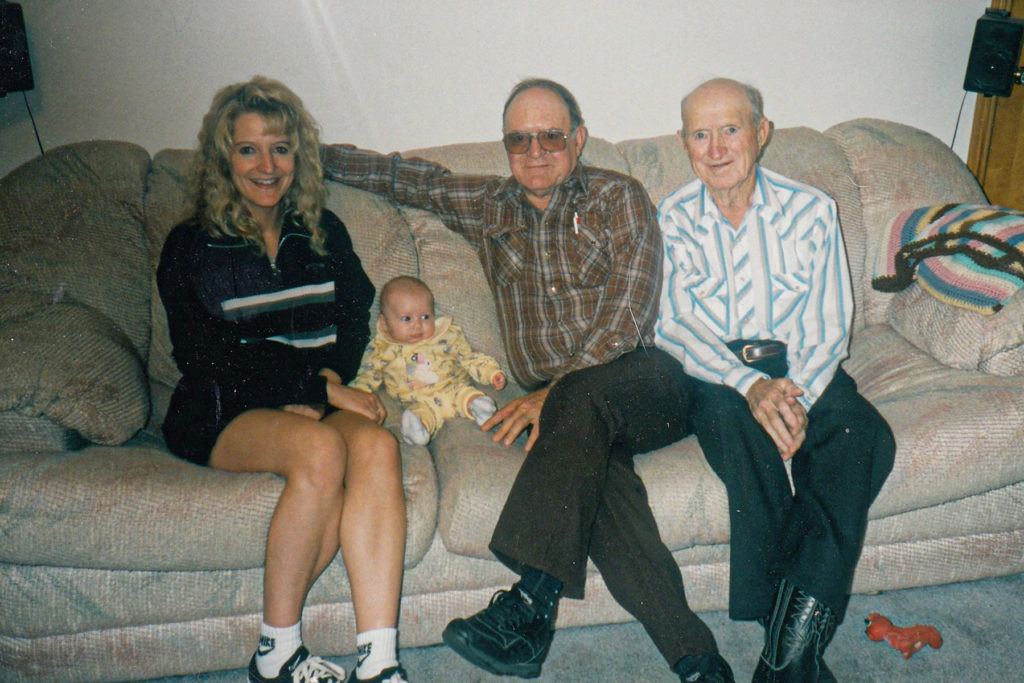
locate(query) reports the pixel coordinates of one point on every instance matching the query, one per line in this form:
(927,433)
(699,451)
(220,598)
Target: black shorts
(196,417)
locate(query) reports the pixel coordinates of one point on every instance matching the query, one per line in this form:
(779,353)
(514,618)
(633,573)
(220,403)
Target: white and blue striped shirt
(796,263)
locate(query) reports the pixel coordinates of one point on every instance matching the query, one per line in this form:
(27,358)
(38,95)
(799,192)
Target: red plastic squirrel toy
(906,639)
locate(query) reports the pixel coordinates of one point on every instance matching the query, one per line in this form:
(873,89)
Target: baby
(425,364)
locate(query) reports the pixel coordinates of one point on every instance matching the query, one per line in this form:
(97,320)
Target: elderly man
(757,307)
(572,255)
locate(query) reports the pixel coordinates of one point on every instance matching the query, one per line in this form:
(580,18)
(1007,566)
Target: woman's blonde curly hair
(218,202)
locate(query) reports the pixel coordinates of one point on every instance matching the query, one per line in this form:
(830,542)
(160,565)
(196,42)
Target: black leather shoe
(510,637)
(707,667)
(798,630)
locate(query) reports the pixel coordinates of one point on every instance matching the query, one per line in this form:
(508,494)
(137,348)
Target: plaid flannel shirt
(575,286)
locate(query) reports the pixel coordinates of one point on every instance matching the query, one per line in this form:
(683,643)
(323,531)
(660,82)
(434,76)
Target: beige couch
(119,561)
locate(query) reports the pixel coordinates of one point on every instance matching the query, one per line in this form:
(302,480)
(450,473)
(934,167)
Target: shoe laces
(317,670)
(509,610)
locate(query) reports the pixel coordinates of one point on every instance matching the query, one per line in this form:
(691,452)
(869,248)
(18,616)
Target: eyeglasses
(518,142)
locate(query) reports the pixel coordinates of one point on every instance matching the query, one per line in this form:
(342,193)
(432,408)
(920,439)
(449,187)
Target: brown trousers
(577,495)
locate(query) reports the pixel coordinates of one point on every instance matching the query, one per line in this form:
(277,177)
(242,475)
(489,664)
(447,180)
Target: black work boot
(707,667)
(510,637)
(797,632)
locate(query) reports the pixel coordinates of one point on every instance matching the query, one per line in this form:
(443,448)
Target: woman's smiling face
(262,164)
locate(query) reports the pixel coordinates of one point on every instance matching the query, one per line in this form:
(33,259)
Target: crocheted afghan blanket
(967,255)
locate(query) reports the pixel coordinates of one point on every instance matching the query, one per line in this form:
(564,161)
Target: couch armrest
(68,363)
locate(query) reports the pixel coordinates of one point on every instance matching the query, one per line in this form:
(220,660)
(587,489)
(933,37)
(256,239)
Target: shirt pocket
(709,296)
(788,291)
(508,257)
(589,253)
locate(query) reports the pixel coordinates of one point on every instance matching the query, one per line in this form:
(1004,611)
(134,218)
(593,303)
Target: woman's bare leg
(303,536)
(372,529)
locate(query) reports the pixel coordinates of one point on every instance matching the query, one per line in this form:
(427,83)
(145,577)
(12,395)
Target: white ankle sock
(482,407)
(276,646)
(413,430)
(377,651)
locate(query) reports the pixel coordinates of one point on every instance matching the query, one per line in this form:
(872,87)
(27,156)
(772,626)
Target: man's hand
(773,404)
(517,415)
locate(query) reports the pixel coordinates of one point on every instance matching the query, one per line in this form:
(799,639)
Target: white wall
(398,74)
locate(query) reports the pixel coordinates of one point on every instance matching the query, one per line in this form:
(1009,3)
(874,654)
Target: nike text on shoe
(301,667)
(511,637)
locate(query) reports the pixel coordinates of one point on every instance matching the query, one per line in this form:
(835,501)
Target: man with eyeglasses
(572,254)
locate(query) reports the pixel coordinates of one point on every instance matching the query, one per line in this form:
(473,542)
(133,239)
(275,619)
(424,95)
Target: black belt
(766,355)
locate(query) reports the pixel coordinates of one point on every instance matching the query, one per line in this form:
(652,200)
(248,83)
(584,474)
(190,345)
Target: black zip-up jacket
(248,333)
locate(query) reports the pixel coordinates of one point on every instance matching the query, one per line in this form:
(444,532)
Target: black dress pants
(577,495)
(812,537)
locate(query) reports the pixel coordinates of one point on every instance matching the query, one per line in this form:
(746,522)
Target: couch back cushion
(452,270)
(661,164)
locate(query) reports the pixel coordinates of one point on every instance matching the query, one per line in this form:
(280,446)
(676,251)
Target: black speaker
(994,54)
(15,68)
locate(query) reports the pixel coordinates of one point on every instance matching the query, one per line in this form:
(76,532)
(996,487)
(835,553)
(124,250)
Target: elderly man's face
(722,141)
(538,171)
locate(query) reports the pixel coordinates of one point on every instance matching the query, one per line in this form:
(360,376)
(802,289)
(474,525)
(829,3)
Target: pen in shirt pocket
(575,223)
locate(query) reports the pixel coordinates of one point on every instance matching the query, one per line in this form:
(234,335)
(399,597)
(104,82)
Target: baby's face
(408,316)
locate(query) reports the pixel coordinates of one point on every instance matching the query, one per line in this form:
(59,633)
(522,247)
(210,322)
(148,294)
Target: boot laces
(509,610)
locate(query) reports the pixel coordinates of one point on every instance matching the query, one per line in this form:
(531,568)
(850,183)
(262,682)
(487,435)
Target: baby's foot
(482,408)
(413,430)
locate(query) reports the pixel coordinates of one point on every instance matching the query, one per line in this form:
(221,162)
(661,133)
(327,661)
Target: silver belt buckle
(746,351)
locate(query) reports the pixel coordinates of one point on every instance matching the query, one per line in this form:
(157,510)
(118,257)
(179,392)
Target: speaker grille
(994,55)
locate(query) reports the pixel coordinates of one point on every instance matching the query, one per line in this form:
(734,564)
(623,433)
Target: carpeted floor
(981,624)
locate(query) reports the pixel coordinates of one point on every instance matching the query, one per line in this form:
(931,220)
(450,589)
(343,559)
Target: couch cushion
(452,270)
(36,434)
(958,432)
(962,338)
(66,362)
(139,507)
(167,203)
(475,474)
(380,236)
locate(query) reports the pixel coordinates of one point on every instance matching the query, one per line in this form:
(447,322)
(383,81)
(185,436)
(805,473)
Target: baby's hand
(499,381)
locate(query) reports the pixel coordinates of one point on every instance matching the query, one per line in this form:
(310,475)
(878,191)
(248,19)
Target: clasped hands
(773,404)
